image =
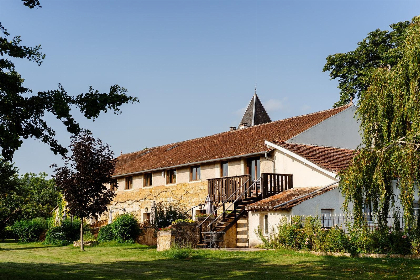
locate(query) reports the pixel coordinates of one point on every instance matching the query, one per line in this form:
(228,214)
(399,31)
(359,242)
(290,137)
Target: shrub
(125,228)
(165,215)
(106,234)
(64,234)
(291,235)
(29,230)
(335,240)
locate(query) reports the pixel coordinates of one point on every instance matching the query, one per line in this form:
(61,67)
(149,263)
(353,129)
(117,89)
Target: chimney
(232,128)
(243,125)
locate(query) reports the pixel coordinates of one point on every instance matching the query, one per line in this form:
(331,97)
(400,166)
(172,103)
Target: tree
(82,180)
(27,197)
(381,48)
(22,111)
(9,184)
(389,111)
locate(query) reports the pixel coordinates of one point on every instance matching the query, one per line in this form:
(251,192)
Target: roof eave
(188,164)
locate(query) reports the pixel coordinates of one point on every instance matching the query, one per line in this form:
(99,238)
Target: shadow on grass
(220,267)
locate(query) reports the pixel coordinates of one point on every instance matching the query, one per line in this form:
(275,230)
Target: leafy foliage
(82,180)
(106,233)
(22,111)
(308,234)
(25,197)
(381,48)
(165,215)
(389,111)
(125,228)
(64,234)
(29,230)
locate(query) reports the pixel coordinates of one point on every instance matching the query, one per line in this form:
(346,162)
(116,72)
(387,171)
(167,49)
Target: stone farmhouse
(247,176)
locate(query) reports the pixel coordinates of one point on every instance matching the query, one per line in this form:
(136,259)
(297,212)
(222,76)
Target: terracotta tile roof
(290,198)
(332,159)
(219,146)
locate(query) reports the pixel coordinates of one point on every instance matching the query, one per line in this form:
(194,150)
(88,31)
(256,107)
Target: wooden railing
(227,189)
(272,183)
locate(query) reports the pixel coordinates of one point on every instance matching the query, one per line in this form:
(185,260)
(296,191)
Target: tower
(255,113)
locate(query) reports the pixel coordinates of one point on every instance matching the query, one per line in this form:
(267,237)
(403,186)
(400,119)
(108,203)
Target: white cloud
(273,105)
(240,112)
(305,108)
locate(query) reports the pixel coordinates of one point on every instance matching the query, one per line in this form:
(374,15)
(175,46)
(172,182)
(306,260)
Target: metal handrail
(255,183)
(214,211)
(186,212)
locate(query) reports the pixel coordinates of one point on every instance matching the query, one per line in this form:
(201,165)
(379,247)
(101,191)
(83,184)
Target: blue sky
(193,64)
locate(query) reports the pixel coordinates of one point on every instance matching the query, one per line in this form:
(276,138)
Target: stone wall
(148,236)
(135,201)
(186,234)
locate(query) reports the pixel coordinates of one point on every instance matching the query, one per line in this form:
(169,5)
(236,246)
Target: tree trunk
(81,236)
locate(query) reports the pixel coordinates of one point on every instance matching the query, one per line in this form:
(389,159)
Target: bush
(125,228)
(165,215)
(106,233)
(66,233)
(29,230)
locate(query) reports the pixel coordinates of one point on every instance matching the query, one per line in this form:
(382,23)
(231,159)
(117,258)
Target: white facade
(339,131)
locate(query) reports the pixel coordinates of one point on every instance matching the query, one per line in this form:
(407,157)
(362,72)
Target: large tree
(25,197)
(389,110)
(84,177)
(381,48)
(22,112)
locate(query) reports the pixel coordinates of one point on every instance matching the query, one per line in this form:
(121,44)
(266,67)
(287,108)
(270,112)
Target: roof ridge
(320,146)
(239,130)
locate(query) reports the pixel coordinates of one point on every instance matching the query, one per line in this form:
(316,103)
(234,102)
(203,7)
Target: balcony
(230,189)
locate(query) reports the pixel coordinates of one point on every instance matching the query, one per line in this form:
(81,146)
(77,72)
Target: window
(128,183)
(265,224)
(171,176)
(253,168)
(224,169)
(147,179)
(195,173)
(367,211)
(416,207)
(326,218)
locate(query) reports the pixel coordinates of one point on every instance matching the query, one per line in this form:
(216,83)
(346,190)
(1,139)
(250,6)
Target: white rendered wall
(340,131)
(303,175)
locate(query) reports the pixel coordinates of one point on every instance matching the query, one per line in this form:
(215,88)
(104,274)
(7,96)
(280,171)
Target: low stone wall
(148,236)
(181,235)
(186,234)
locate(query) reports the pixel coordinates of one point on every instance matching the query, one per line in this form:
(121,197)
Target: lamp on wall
(146,210)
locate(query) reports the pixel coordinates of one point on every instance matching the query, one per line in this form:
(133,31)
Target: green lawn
(36,261)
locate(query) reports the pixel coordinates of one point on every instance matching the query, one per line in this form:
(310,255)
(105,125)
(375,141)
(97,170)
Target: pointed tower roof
(255,113)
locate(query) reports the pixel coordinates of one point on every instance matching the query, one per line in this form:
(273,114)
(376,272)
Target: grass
(37,261)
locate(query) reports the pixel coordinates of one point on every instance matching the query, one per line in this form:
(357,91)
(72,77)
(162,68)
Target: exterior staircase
(232,196)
